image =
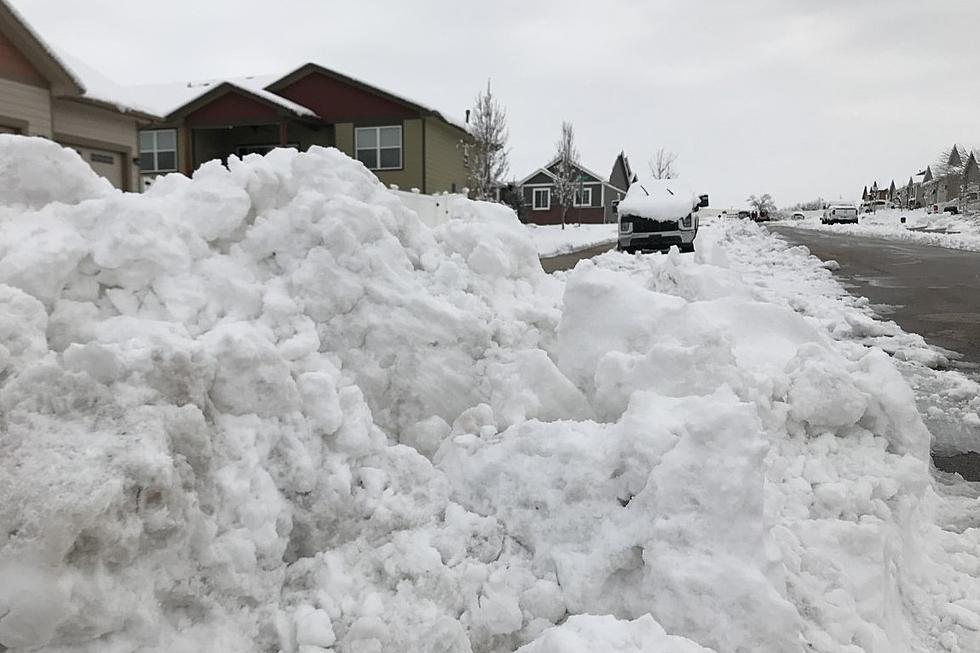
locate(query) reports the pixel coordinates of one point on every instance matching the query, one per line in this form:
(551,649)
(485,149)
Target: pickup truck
(657,215)
(840,214)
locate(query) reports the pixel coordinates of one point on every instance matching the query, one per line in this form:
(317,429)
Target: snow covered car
(658,214)
(840,214)
(797,216)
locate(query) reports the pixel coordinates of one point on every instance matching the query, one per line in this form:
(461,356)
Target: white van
(840,214)
(658,214)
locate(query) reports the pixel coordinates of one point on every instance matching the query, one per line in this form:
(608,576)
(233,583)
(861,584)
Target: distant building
(595,198)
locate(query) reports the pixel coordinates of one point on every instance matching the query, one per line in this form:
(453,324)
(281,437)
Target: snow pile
(938,229)
(267,409)
(552,240)
(32,176)
(658,199)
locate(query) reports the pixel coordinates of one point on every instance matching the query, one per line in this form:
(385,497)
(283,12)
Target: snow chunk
(36,171)
(587,633)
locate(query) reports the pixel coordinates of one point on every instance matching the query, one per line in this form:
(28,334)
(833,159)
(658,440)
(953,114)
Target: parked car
(952,207)
(840,214)
(876,205)
(744,214)
(658,214)
(797,216)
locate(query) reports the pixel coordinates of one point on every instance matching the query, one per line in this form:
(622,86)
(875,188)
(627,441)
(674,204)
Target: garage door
(8,130)
(105,162)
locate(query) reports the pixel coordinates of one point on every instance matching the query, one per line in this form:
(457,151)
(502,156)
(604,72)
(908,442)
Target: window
(542,199)
(379,148)
(583,197)
(158,150)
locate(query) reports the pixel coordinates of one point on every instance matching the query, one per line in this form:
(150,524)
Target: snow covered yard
(939,229)
(552,240)
(268,409)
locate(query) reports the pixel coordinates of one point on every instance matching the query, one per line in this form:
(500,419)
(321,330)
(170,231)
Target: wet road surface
(932,291)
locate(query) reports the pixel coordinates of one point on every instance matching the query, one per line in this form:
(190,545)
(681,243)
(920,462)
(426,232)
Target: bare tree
(763,205)
(486,155)
(567,173)
(664,165)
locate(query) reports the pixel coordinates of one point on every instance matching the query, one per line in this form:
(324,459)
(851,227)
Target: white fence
(433,210)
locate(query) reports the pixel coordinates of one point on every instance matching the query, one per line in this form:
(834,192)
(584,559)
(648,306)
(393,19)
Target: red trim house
(403,142)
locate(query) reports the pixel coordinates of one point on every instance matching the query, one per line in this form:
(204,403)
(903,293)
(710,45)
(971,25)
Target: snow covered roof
(165,99)
(102,90)
(658,199)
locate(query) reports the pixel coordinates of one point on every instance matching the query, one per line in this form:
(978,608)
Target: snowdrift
(267,409)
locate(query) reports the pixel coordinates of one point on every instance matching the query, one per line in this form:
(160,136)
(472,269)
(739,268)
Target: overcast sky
(797,98)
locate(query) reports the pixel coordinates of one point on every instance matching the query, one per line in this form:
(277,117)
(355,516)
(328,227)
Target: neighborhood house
(595,197)
(403,142)
(46,94)
(133,134)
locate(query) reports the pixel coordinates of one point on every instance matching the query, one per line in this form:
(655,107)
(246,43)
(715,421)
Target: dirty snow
(268,409)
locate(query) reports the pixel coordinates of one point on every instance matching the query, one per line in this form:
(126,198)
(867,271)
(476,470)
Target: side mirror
(703,204)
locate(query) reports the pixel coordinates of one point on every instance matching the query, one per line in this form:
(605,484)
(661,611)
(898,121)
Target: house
(595,197)
(622,174)
(943,180)
(971,184)
(402,141)
(46,94)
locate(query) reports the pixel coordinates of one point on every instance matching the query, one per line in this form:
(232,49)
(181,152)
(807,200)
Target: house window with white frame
(583,197)
(379,148)
(158,150)
(541,199)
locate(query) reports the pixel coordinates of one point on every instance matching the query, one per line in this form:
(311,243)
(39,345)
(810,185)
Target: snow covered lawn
(552,240)
(268,409)
(939,229)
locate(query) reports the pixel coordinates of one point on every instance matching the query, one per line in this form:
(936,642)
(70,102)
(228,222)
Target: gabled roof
(598,178)
(535,174)
(63,80)
(262,96)
(308,68)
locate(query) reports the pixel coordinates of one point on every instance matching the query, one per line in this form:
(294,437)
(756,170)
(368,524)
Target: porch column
(283,132)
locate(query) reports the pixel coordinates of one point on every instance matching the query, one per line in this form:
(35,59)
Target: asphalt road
(568,261)
(932,291)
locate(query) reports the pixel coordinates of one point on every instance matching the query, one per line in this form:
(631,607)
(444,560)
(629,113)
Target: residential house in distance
(595,197)
(943,181)
(971,184)
(403,142)
(52,96)
(622,174)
